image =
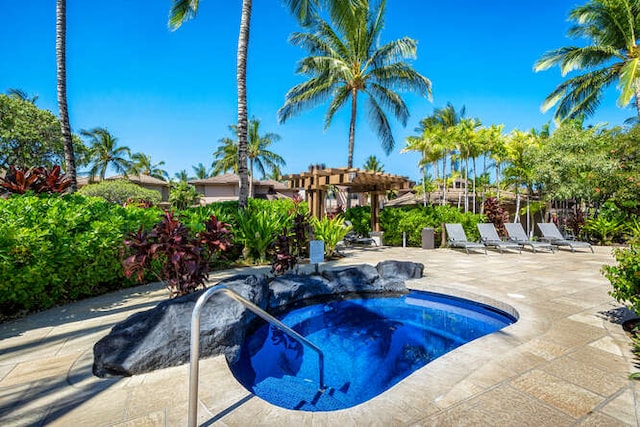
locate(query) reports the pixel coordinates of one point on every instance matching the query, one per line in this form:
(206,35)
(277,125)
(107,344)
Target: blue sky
(173,94)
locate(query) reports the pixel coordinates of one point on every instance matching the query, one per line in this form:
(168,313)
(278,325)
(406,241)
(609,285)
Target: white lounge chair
(457,238)
(551,234)
(489,236)
(516,234)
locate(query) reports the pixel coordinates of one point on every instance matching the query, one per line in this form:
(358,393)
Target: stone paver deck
(565,362)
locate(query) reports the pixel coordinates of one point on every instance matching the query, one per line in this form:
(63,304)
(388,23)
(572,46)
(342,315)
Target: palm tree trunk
(250,177)
(61,62)
(466,183)
(475,176)
(352,126)
(241,75)
(352,134)
(444,179)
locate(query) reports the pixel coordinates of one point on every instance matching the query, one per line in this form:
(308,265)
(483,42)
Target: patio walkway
(565,362)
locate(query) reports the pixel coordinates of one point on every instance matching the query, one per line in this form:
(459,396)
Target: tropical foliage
(30,136)
(345,60)
(58,249)
(104,153)
(183,195)
(143,165)
(611,55)
(331,231)
(120,192)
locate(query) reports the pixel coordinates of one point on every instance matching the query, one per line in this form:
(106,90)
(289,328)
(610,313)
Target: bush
(411,220)
(120,192)
(360,218)
(331,231)
(58,249)
(183,195)
(625,276)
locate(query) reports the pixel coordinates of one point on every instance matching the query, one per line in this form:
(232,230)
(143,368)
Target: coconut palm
(183,10)
(259,156)
(104,153)
(373,164)
(142,165)
(225,158)
(61,65)
(345,60)
(181,176)
(519,172)
(611,28)
(201,171)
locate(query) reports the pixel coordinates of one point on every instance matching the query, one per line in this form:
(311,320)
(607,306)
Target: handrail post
(195,343)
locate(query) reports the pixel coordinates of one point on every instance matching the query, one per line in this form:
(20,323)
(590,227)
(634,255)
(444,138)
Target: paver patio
(565,362)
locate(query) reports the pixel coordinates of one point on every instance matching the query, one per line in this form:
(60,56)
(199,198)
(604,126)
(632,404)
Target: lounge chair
(551,234)
(352,238)
(516,234)
(489,236)
(458,239)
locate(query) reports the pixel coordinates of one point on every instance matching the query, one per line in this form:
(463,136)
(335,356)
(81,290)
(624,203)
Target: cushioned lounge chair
(352,238)
(551,234)
(457,238)
(489,236)
(516,234)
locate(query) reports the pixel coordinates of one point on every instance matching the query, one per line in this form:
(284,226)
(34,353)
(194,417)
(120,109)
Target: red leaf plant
(183,260)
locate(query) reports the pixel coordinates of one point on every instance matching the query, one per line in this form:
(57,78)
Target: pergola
(317,181)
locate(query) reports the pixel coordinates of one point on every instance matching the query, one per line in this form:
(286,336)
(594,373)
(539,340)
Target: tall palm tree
(257,151)
(520,168)
(183,10)
(104,152)
(225,158)
(612,28)
(142,165)
(344,60)
(181,176)
(373,165)
(201,171)
(447,118)
(61,65)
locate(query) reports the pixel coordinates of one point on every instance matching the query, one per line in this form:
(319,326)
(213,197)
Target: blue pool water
(369,345)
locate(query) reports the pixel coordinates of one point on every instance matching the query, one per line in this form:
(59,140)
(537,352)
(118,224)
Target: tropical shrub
(56,249)
(604,229)
(257,229)
(183,259)
(625,276)
(331,231)
(360,218)
(38,180)
(120,191)
(183,195)
(290,245)
(411,220)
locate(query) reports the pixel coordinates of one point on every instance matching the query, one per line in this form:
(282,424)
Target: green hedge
(120,191)
(59,249)
(412,220)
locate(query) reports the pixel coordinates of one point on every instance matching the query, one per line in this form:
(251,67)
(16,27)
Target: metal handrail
(195,343)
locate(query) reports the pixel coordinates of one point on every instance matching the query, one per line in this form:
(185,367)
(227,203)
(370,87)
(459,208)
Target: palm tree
(201,171)
(181,176)
(345,59)
(142,165)
(447,118)
(225,158)
(104,152)
(257,152)
(61,65)
(183,10)
(373,164)
(22,95)
(612,55)
(520,168)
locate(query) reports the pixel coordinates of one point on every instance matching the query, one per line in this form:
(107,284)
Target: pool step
(300,394)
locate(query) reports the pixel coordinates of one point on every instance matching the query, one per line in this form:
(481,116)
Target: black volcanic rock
(160,337)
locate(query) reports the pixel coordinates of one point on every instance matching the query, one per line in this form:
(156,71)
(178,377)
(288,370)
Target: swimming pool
(369,344)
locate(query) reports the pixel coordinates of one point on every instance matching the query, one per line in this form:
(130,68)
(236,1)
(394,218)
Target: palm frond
(181,11)
(340,97)
(390,100)
(305,96)
(577,58)
(629,79)
(380,123)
